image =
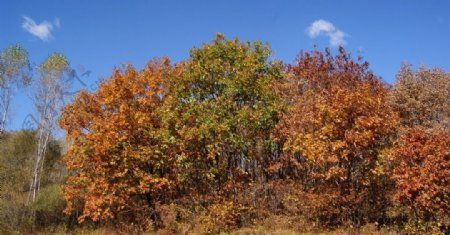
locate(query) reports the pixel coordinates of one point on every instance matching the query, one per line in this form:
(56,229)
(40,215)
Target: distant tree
(334,132)
(119,159)
(14,72)
(16,153)
(16,150)
(422,97)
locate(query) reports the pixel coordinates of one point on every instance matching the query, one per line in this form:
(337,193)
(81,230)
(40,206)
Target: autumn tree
(119,159)
(422,175)
(421,155)
(334,133)
(228,129)
(422,97)
(14,72)
(221,112)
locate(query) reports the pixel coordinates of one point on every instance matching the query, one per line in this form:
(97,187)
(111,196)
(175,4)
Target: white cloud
(42,31)
(323,27)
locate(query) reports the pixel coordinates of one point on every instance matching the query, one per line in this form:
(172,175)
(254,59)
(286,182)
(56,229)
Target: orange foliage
(228,136)
(334,132)
(422,176)
(118,159)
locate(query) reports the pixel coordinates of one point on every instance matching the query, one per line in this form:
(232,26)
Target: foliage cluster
(231,138)
(225,133)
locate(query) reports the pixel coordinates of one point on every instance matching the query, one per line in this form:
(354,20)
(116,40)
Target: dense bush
(17,211)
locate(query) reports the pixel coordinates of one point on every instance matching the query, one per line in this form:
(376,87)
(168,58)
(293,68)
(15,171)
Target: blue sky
(98,35)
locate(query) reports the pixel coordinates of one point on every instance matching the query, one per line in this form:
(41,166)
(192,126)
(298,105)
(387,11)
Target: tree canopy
(227,138)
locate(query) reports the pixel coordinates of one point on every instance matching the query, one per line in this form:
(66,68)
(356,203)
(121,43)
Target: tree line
(230,136)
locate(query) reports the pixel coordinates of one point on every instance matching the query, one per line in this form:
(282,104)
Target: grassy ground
(244,231)
(276,225)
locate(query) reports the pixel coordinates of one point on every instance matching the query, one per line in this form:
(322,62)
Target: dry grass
(288,225)
(272,225)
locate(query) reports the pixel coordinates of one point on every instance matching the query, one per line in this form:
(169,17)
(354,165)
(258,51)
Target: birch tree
(48,96)
(14,72)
